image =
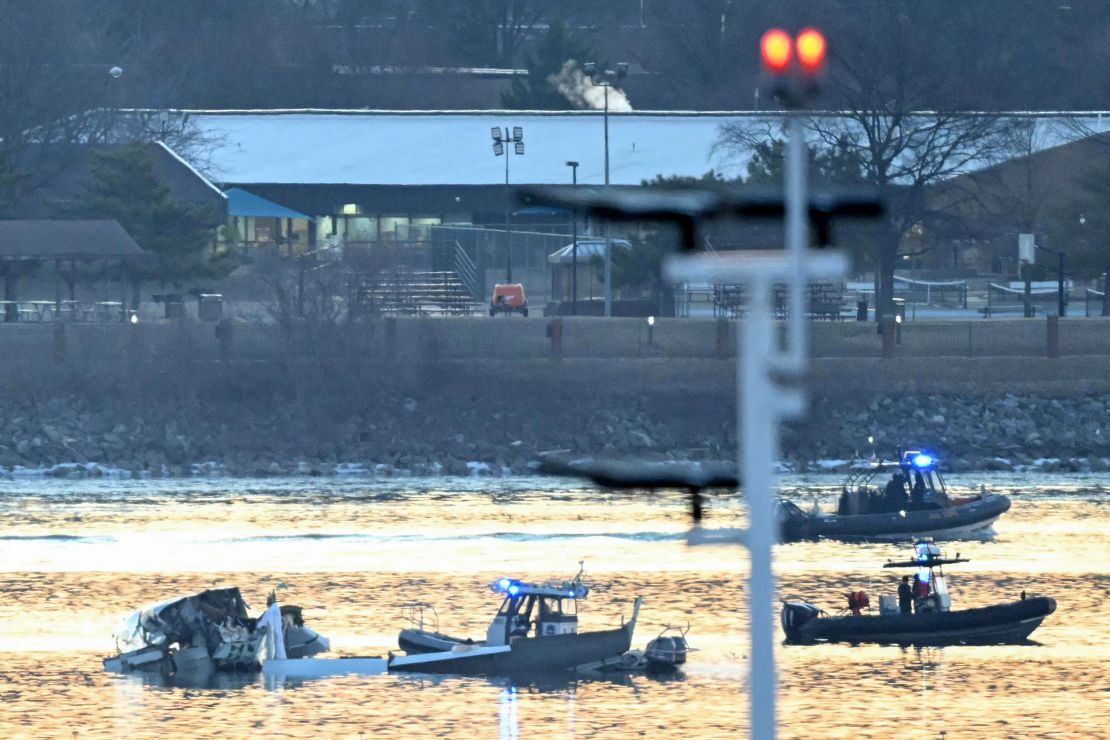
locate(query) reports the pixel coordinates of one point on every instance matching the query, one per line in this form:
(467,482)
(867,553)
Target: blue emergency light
(922,461)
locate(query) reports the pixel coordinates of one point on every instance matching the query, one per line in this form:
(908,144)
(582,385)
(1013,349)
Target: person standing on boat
(905,596)
(920,594)
(894,495)
(918,493)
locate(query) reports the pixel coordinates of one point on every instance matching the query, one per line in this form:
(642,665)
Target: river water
(77,555)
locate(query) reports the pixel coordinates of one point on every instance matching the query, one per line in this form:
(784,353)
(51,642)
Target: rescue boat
(926,618)
(913,503)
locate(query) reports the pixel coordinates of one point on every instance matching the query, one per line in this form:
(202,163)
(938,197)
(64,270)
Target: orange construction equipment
(508,298)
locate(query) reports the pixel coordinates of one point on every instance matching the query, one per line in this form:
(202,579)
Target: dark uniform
(905,596)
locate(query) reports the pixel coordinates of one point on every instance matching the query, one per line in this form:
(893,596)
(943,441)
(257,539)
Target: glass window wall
(394,228)
(360,229)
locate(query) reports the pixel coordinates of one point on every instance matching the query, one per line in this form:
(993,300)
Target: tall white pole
(797,242)
(764,400)
(758,422)
(608,250)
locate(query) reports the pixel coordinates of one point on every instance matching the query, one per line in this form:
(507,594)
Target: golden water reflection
(74,559)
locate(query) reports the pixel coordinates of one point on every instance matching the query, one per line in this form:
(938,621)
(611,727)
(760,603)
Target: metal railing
(467,271)
(1020,301)
(934,288)
(1099,298)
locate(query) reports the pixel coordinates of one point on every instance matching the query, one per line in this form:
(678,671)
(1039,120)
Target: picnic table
(41,311)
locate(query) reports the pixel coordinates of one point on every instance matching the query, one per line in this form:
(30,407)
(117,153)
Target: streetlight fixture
(574,244)
(111,112)
(501,142)
(606,79)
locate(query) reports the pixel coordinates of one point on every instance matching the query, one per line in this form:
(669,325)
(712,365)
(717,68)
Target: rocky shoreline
(403,435)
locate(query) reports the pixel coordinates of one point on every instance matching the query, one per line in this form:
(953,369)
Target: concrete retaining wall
(617,353)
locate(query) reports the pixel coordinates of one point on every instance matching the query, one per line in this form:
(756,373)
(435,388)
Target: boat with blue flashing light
(920,614)
(913,503)
(535,630)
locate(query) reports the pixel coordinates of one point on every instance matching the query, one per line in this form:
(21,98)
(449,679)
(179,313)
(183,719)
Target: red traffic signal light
(776,48)
(811,50)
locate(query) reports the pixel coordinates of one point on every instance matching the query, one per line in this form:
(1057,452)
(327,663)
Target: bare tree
(54,70)
(882,83)
(487,32)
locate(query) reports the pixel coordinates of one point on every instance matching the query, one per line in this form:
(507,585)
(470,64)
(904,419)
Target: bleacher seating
(824,301)
(412,293)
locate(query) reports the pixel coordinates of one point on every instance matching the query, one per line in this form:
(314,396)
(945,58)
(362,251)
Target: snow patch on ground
(475,468)
(70,470)
(833,464)
(207,469)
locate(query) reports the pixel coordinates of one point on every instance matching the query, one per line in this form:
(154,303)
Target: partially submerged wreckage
(210,630)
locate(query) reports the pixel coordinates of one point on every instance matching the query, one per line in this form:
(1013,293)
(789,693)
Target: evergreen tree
(176,235)
(839,164)
(539,89)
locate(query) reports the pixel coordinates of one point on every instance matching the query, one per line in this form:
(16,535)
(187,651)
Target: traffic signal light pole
(769,377)
(769,371)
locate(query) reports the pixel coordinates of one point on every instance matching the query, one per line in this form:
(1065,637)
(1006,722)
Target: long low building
(377,175)
(371,175)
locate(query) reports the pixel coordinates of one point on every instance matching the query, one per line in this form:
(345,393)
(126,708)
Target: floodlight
(495,132)
(518,133)
(519,147)
(498,148)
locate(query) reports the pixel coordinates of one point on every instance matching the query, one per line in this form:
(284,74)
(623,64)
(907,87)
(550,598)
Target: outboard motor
(666,652)
(795,615)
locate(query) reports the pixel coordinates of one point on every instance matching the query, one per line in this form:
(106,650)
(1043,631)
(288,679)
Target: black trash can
(175,306)
(210,306)
(861,309)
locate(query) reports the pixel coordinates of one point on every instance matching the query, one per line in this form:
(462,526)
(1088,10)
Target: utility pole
(574,244)
(606,79)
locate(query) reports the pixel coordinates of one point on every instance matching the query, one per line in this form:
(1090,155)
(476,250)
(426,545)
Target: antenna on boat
(581,571)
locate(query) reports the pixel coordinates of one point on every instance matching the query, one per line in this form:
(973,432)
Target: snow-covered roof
(429,148)
(329,147)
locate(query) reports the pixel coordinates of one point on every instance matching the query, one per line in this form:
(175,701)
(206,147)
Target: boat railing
(413,613)
(677,632)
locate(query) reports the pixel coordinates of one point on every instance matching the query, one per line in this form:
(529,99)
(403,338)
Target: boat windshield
(509,606)
(558,607)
